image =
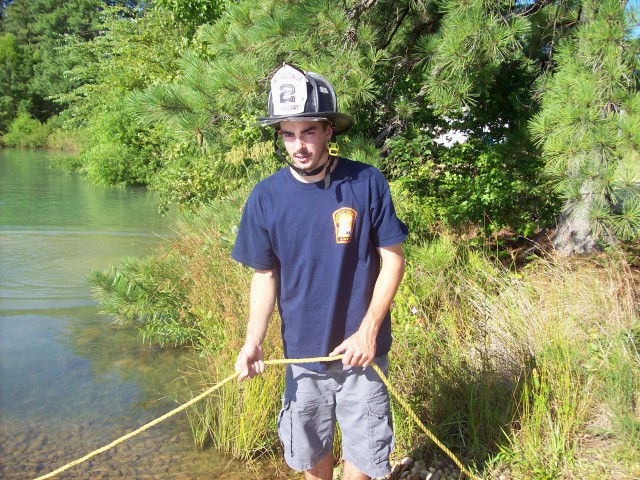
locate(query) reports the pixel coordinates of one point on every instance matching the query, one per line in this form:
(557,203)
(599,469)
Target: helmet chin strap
(333,152)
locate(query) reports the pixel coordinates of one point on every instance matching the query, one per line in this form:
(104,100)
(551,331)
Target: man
(325,243)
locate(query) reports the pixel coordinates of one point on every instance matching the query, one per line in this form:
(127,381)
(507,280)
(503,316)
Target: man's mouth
(302,157)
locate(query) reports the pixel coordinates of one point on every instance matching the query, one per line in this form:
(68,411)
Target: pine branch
(532,9)
(402,17)
(357,10)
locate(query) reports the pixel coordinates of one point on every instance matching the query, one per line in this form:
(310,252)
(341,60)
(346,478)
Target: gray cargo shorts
(356,398)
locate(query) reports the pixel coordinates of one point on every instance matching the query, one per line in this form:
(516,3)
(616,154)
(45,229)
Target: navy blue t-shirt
(323,243)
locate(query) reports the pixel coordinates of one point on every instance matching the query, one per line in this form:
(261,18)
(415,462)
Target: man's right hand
(250,361)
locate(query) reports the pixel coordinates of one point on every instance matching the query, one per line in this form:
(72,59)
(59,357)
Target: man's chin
(305,167)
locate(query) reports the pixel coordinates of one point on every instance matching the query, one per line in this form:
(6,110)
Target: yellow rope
(212,389)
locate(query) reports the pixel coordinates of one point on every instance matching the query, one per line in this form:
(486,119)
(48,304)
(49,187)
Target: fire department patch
(343,221)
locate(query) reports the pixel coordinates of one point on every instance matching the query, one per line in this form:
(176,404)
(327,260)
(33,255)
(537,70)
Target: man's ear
(329,130)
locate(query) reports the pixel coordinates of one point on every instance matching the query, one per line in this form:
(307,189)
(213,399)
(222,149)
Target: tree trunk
(573,233)
(574,230)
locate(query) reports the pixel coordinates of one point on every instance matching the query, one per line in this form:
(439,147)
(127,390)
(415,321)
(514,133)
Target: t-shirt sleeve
(253,246)
(387,228)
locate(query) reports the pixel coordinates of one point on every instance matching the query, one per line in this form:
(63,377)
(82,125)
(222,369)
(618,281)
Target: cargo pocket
(285,427)
(381,441)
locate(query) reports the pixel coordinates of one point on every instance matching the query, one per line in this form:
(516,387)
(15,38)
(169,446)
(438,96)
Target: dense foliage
(32,66)
(165,93)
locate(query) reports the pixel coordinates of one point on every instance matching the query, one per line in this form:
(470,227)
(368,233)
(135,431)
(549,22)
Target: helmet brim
(341,123)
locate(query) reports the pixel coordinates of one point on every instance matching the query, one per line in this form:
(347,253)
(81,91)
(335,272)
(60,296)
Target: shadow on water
(70,382)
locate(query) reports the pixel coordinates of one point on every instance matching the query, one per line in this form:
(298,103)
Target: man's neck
(314,178)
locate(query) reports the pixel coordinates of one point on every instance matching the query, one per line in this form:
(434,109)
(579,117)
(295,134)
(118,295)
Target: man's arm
(262,301)
(360,348)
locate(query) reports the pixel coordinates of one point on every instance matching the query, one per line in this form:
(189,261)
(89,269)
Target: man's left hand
(359,350)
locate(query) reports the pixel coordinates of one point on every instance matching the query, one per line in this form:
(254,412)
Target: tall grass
(530,374)
(241,418)
(518,363)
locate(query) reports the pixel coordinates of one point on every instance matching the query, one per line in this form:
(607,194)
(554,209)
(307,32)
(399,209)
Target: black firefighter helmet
(299,96)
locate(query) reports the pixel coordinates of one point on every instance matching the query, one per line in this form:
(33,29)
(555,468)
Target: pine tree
(589,130)
(564,72)
(224,78)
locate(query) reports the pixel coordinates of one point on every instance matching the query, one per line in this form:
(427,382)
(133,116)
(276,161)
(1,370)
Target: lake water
(69,381)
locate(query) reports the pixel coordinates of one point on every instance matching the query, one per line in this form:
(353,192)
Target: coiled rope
(281,361)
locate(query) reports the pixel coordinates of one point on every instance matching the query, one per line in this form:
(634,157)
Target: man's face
(306,143)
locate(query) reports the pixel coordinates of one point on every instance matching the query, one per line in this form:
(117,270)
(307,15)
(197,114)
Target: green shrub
(27,132)
(109,164)
(116,151)
(184,293)
(66,139)
(497,186)
(192,177)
